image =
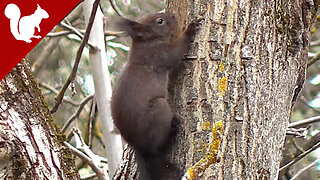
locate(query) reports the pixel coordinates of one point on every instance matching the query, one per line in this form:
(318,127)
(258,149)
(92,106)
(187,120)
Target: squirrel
(139,103)
(24,28)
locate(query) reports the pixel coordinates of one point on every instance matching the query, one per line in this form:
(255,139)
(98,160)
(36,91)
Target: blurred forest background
(53,58)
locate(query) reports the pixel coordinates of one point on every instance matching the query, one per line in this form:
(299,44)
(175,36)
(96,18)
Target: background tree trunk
(237,86)
(30,143)
(103,90)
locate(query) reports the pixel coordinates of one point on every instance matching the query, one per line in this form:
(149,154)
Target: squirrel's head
(158,26)
(41,12)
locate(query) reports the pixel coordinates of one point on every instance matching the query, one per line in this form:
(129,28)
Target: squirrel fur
(23,28)
(139,103)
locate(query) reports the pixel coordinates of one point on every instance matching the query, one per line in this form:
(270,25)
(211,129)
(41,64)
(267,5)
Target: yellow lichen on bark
(221,67)
(211,155)
(223,84)
(206,125)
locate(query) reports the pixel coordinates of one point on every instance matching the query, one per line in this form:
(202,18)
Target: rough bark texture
(249,68)
(127,169)
(237,86)
(30,143)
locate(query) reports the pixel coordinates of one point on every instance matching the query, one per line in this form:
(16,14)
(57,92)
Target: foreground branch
(77,61)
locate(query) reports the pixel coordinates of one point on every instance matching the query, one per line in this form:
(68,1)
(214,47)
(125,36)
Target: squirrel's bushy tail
(156,167)
(13,13)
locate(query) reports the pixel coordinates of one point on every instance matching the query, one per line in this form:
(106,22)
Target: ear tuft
(127,26)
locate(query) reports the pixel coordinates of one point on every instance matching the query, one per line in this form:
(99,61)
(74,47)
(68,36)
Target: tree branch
(300,132)
(60,33)
(299,157)
(92,117)
(313,60)
(53,90)
(304,122)
(305,169)
(75,115)
(99,171)
(78,57)
(115,8)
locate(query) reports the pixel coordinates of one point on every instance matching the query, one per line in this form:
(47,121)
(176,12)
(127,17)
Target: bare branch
(300,132)
(77,61)
(75,115)
(81,145)
(75,31)
(300,157)
(304,122)
(99,171)
(115,8)
(53,90)
(72,29)
(305,169)
(314,43)
(92,116)
(60,33)
(313,60)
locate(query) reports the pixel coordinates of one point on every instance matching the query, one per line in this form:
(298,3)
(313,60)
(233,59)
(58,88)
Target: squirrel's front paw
(193,27)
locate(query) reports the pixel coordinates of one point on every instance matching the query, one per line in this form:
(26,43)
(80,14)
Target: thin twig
(77,61)
(314,43)
(53,90)
(60,33)
(75,115)
(313,60)
(305,169)
(304,122)
(81,145)
(300,157)
(297,132)
(92,115)
(115,8)
(72,29)
(75,31)
(99,171)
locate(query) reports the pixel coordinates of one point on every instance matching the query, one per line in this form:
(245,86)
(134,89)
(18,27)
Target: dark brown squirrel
(139,102)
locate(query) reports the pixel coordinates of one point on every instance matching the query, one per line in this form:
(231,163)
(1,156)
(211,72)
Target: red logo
(24,24)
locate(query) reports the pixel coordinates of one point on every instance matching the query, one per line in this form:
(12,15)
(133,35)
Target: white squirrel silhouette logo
(23,29)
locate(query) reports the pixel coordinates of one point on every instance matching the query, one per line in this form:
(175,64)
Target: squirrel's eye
(160,21)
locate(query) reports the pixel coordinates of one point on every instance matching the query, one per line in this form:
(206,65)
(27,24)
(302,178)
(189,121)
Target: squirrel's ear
(131,28)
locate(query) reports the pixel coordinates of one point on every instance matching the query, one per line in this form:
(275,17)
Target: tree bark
(250,61)
(237,85)
(30,143)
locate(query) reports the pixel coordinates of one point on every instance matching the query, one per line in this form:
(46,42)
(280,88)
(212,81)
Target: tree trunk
(250,60)
(236,88)
(31,145)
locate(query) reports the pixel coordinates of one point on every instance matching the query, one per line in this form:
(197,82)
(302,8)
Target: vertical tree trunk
(245,69)
(30,143)
(237,86)
(102,86)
